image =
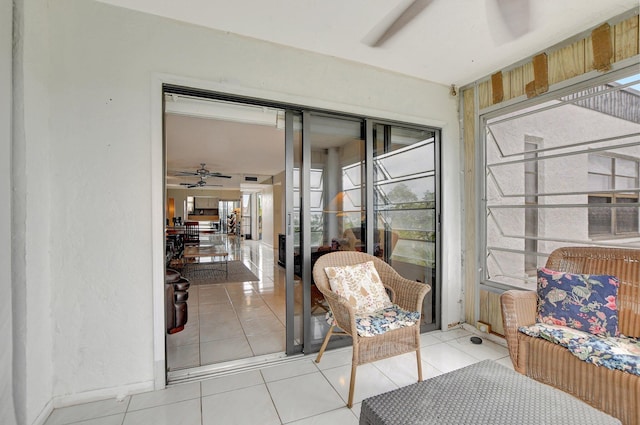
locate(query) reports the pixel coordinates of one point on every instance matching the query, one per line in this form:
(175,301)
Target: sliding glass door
(292,232)
(359,185)
(406,208)
(349,184)
(336,213)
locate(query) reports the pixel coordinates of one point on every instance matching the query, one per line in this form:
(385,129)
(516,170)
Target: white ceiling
(448,41)
(232,148)
(443,41)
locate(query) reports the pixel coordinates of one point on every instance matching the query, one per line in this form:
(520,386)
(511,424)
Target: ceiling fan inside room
(201,183)
(202,172)
(512,14)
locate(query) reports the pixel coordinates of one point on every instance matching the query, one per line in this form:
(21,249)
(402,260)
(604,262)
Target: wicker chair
(405,293)
(613,391)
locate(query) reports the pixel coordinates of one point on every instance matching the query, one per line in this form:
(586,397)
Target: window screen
(564,172)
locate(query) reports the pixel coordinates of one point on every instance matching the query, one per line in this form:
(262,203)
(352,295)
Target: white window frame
(516,106)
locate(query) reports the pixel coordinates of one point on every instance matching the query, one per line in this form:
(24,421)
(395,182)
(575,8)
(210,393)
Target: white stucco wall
(102,139)
(31,245)
(7,406)
(267,218)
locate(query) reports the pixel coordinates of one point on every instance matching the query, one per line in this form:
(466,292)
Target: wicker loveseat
(612,391)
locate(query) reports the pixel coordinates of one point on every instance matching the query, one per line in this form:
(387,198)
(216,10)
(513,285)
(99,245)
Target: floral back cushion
(361,285)
(580,301)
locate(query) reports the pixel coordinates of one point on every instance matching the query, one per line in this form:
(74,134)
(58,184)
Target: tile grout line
(273,402)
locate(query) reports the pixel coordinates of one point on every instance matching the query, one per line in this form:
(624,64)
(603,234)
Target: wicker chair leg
(352,385)
(324,343)
(418,357)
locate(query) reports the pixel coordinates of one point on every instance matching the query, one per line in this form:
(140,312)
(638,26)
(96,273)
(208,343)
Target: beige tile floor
(298,391)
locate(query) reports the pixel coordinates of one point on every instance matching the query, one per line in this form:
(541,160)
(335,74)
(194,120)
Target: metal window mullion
(614,219)
(403,209)
(562,155)
(495,142)
(438,234)
(305,230)
(417,240)
(523,278)
(403,177)
(564,240)
(369,184)
(288,226)
(574,145)
(583,192)
(406,177)
(480,183)
(515,251)
(553,206)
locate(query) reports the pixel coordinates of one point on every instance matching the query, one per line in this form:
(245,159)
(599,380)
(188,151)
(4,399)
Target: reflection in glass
(405,205)
(297,184)
(336,194)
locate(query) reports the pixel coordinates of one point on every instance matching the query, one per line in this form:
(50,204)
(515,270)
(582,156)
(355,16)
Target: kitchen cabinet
(206,203)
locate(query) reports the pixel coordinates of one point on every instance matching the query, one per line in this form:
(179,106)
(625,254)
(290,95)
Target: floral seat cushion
(383,320)
(617,353)
(553,333)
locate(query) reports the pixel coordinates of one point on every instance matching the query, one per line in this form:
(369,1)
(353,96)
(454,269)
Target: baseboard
(118,393)
(44,414)
(491,337)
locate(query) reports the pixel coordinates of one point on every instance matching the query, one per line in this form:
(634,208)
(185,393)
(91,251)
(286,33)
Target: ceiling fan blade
(202,173)
(393,22)
(516,16)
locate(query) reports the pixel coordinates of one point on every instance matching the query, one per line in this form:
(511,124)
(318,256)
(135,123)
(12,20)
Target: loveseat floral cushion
(580,301)
(617,353)
(381,321)
(360,284)
(553,333)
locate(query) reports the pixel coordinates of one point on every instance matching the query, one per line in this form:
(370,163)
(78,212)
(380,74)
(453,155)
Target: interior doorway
(219,156)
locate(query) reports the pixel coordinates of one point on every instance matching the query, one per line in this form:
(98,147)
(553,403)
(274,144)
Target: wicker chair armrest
(519,308)
(343,313)
(407,293)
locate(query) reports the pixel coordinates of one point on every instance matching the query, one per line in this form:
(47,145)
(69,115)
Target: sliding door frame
(293,346)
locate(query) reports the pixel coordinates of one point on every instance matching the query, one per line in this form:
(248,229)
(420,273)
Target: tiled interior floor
(230,321)
(298,391)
